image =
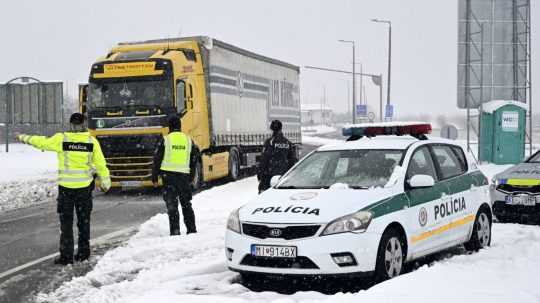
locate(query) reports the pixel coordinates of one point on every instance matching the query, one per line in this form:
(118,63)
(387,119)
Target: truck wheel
(390,256)
(197,176)
(481,234)
(234,164)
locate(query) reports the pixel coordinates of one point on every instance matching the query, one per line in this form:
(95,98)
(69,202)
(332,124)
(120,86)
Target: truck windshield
(358,169)
(127,93)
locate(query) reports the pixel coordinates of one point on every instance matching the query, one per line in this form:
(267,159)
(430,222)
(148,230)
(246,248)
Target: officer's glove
(105,184)
(23,138)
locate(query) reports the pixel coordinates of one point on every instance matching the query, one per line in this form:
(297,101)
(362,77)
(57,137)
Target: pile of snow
(27,177)
(318,129)
(19,194)
(153,267)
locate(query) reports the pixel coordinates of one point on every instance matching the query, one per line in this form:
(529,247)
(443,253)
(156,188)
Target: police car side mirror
(274,181)
(421,181)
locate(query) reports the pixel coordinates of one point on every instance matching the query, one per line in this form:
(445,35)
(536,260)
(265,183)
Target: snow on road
(27,177)
(153,267)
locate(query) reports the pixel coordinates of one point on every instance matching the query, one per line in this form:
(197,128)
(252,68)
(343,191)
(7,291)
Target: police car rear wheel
(481,235)
(390,256)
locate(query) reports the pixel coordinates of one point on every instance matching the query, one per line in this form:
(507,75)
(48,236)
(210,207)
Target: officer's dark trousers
(264,183)
(177,188)
(80,201)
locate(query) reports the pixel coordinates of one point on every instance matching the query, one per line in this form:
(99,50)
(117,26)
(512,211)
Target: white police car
(365,206)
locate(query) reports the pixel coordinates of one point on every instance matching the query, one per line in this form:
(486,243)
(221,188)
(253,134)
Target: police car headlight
(356,222)
(495,182)
(233,223)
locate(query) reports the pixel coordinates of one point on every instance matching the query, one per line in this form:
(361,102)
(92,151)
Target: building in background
(314,114)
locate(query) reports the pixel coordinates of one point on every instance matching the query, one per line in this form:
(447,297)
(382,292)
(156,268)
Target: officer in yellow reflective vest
(174,159)
(79,158)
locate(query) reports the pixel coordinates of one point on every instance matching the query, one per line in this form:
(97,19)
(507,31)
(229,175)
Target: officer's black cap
(76,119)
(276,125)
(174,123)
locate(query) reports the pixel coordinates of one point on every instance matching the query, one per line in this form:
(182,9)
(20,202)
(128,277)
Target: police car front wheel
(390,256)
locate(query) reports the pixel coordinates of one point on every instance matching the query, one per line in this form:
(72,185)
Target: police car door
(422,201)
(454,211)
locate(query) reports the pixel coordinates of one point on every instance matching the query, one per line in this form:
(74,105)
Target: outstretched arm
(53,143)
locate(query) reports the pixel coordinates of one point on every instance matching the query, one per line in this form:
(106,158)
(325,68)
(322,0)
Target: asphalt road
(30,234)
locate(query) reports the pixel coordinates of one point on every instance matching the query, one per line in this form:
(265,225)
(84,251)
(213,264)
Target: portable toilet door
(509,133)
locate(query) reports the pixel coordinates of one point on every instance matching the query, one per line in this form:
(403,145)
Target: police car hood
(521,171)
(310,206)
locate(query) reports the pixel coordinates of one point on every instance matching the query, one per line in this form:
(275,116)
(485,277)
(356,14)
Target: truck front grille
(129,157)
(130,168)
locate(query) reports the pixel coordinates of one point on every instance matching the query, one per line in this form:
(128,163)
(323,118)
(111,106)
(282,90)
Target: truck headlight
(233,223)
(356,222)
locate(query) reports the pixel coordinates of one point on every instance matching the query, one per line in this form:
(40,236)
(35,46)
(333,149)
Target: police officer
(278,156)
(174,159)
(79,158)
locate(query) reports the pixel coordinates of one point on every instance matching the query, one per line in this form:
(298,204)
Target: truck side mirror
(274,181)
(83,97)
(189,92)
(180,97)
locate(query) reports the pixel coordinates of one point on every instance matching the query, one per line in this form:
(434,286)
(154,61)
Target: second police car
(387,196)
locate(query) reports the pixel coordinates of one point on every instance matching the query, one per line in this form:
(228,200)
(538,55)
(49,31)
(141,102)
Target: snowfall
(153,267)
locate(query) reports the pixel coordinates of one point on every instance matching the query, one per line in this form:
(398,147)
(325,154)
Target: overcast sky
(58,40)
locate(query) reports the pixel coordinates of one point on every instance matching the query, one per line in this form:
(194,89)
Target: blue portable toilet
(502,132)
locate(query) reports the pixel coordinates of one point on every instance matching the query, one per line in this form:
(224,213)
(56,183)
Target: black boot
(62,261)
(81,257)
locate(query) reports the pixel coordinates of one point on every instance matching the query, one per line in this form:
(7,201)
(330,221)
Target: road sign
(361,110)
(389,113)
(449,132)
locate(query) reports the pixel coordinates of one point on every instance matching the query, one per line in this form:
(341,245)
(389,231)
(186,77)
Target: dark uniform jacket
(278,156)
(160,152)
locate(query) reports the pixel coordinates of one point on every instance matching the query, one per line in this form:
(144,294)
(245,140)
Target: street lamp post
(353,79)
(389,55)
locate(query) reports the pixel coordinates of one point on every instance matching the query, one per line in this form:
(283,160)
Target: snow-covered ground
(317,130)
(27,176)
(154,267)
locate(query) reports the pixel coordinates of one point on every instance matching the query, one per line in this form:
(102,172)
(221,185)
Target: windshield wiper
(287,187)
(358,187)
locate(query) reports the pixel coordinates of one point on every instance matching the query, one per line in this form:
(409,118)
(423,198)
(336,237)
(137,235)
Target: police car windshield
(133,92)
(535,158)
(359,169)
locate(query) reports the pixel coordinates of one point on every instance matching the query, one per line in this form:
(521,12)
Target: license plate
(273,251)
(526,200)
(131,183)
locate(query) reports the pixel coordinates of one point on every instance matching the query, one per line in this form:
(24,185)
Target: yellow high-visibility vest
(177,153)
(79,157)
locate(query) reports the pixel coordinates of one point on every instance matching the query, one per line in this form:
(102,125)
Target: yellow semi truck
(226,97)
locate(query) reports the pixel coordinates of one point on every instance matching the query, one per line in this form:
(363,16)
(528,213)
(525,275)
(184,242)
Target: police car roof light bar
(417,130)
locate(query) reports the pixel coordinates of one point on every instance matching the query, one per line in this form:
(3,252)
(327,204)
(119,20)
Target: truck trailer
(226,97)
